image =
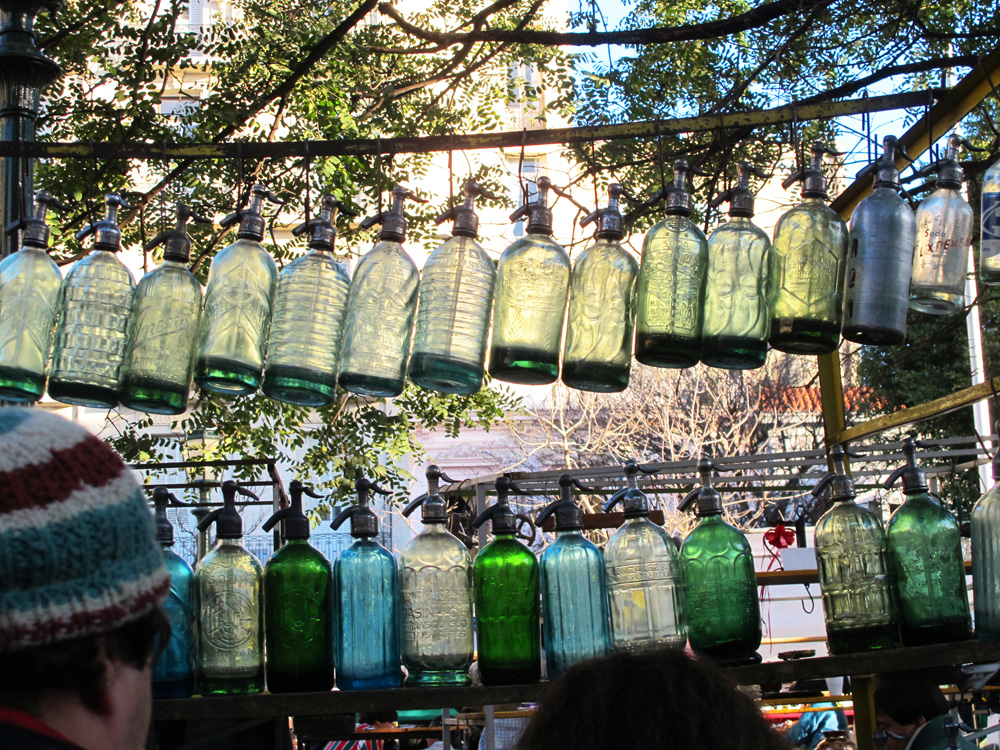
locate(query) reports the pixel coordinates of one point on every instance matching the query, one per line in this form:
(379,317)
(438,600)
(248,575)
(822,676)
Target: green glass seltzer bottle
(228,585)
(529,306)
(925,552)
(807,263)
(599,329)
(29,301)
(163,330)
(456,299)
(985,527)
(508,604)
(298,605)
(736,329)
(303,352)
(380,309)
(670,296)
(238,302)
(720,583)
(90,336)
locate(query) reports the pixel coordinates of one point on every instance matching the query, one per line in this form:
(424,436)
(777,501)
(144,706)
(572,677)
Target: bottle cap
(466,222)
(296,522)
(251,219)
(501,516)
(812,177)
(741,200)
(178,244)
(107,235)
(35,228)
(634,501)
(841,485)
(393,221)
(610,224)
(434,508)
(949,171)
(709,499)
(884,168)
(162,498)
(914,479)
(323,230)
(538,213)
(569,517)
(227,520)
(364,522)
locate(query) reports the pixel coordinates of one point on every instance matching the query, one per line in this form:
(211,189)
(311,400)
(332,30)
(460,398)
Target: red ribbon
(779,537)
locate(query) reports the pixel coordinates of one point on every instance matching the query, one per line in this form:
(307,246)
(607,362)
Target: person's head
(81,581)
(380,719)
(662,698)
(905,701)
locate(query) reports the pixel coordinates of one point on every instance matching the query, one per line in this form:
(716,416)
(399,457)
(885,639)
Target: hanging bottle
(720,583)
(645,580)
(163,329)
(574,591)
(230,616)
(380,309)
(880,256)
(806,270)
(505,576)
(366,582)
(95,303)
(303,353)
(435,586)
(670,297)
(989,246)
(737,326)
(173,672)
(456,298)
(944,234)
(238,302)
(855,578)
(530,301)
(985,523)
(29,300)
(925,552)
(599,329)
(298,605)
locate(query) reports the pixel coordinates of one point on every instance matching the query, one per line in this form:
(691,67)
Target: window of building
(531,169)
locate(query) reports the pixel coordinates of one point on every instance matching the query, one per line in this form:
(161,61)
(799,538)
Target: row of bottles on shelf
(368,615)
(722,300)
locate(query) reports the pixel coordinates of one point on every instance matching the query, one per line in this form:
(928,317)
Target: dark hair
(905,697)
(384,716)
(662,698)
(78,665)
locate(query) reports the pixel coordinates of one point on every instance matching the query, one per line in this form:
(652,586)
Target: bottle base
(232,686)
(369,385)
(523,365)
(665,350)
(373,683)
(451,678)
(182,688)
(937,301)
(862,639)
(81,394)
(733,352)
(151,397)
(803,336)
(598,378)
(226,377)
(874,335)
(524,676)
(301,681)
(445,374)
(299,386)
(20,386)
(953,631)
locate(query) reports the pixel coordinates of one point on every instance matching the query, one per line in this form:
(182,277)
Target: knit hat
(77,554)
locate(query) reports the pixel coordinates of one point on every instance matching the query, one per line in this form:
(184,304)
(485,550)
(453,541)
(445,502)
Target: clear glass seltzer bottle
(989,247)
(985,524)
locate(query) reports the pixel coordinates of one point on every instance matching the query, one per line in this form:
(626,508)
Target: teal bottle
(529,306)
(173,673)
(737,324)
(925,552)
(228,585)
(90,335)
(599,329)
(720,583)
(574,591)
(806,267)
(366,585)
(238,302)
(29,300)
(505,575)
(435,581)
(456,299)
(985,523)
(855,576)
(645,579)
(671,290)
(380,309)
(163,329)
(298,605)
(303,353)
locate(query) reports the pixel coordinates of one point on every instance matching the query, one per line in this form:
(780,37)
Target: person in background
(912,710)
(656,699)
(81,583)
(808,731)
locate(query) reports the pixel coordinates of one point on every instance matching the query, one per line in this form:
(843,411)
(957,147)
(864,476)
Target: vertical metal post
(490,729)
(480,507)
(863,694)
(446,728)
(24,72)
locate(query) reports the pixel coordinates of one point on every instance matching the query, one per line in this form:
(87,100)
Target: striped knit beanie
(77,555)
